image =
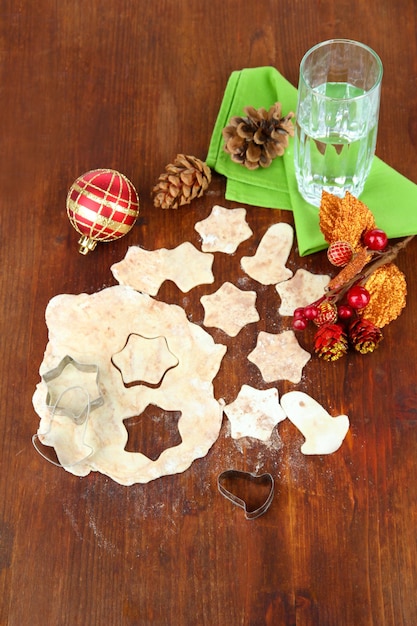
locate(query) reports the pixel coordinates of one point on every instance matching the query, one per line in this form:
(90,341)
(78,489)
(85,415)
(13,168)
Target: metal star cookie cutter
(89,368)
(79,418)
(265,479)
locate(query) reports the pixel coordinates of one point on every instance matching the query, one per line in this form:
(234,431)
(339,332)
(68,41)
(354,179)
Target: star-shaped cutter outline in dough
(301,290)
(146,270)
(279,356)
(230,309)
(223,230)
(144,360)
(254,413)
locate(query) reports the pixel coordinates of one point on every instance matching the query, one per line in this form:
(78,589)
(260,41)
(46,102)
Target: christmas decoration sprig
(368,292)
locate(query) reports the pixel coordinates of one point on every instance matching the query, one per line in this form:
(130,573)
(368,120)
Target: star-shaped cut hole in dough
(144,360)
(267,266)
(162,424)
(254,413)
(229,309)
(323,434)
(279,356)
(223,230)
(302,289)
(146,270)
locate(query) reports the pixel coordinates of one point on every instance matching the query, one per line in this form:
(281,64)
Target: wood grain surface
(128,84)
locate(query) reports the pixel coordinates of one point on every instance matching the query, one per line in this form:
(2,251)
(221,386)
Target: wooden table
(128,85)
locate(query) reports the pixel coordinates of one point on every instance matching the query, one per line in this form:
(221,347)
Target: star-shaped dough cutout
(144,359)
(223,230)
(254,413)
(267,266)
(302,289)
(229,309)
(146,270)
(279,356)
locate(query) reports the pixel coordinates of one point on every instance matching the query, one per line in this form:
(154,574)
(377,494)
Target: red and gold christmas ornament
(102,205)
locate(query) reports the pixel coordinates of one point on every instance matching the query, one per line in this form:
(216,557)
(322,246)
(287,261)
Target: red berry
(375,239)
(344,311)
(311,311)
(299,323)
(299,313)
(339,253)
(358,297)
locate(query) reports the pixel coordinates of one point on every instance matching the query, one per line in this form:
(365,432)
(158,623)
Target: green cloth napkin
(391,197)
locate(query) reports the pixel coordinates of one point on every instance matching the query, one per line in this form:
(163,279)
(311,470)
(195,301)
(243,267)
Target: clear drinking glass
(337,118)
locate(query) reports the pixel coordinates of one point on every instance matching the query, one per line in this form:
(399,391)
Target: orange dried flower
(329,210)
(344,219)
(388,290)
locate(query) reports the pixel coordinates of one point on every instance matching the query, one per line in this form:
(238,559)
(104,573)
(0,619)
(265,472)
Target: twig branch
(379,259)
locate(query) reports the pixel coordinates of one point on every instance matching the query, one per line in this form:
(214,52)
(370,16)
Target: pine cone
(330,342)
(364,335)
(183,180)
(255,140)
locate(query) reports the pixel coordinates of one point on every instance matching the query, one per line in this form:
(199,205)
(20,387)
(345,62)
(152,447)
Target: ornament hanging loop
(86,245)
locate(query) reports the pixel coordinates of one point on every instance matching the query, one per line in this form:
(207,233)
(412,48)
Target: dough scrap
(230,309)
(254,413)
(144,359)
(323,434)
(93,328)
(223,230)
(279,356)
(146,270)
(267,266)
(302,289)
